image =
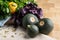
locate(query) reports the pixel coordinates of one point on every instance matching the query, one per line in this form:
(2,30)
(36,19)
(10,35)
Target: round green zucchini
(29,19)
(45,26)
(33,30)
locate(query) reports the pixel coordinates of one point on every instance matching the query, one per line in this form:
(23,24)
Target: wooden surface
(51,9)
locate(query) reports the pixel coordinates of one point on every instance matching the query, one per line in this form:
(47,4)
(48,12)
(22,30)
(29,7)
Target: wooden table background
(51,9)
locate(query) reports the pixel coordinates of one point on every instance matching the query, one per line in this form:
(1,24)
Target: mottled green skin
(33,30)
(47,27)
(27,21)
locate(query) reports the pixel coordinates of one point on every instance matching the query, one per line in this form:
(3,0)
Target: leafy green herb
(4,6)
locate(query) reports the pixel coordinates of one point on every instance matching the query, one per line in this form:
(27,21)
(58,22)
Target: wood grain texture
(51,9)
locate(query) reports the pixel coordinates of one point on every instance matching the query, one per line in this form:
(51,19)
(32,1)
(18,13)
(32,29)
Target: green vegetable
(45,26)
(26,1)
(21,5)
(29,19)
(4,6)
(32,30)
(4,9)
